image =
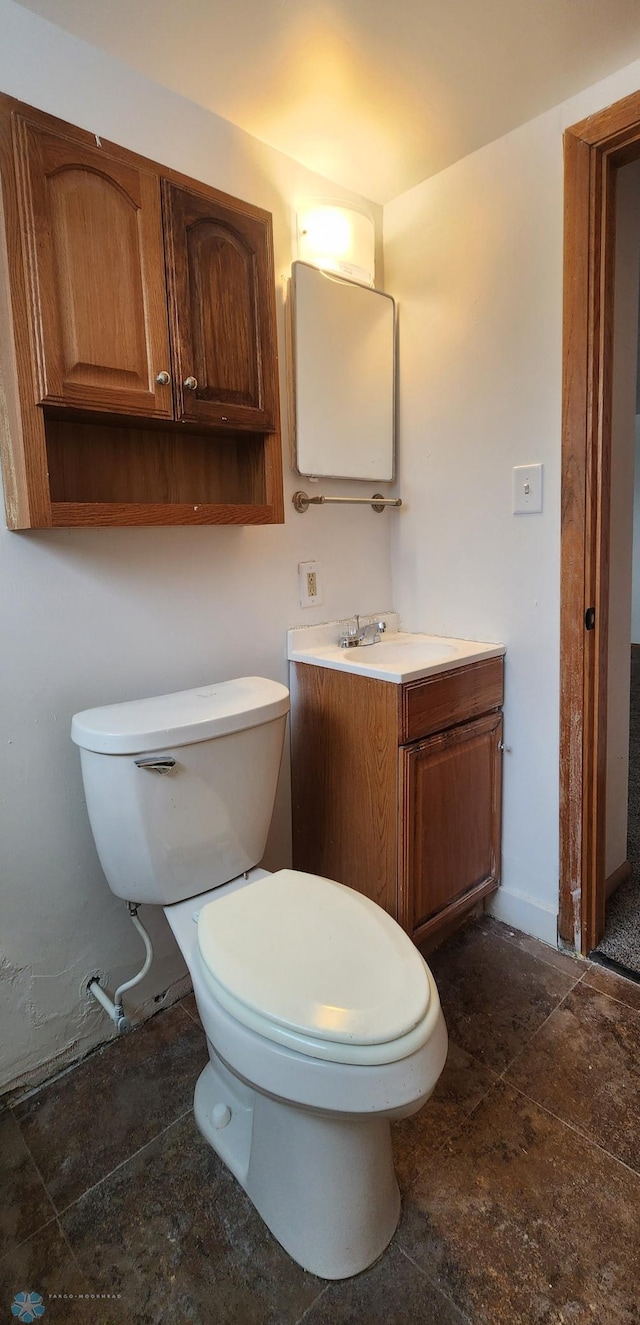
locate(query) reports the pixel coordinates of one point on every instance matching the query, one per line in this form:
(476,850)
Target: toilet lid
(315,957)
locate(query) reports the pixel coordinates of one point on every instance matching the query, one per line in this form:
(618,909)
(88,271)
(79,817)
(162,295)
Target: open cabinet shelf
(110,474)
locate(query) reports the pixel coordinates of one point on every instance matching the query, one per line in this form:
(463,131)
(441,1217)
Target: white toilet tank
(180,788)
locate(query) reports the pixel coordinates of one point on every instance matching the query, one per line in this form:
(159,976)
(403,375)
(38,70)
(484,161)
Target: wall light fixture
(337,239)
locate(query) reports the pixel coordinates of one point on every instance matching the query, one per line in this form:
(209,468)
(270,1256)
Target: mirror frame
(293,412)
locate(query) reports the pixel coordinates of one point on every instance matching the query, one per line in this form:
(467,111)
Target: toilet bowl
(322,1020)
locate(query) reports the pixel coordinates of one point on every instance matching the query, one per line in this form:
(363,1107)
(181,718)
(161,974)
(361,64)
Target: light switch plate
(527,489)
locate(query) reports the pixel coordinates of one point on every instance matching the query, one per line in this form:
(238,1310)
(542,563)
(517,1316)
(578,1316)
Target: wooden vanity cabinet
(397,789)
(138,349)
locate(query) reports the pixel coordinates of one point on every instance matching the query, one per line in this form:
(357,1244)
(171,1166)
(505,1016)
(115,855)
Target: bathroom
(91,617)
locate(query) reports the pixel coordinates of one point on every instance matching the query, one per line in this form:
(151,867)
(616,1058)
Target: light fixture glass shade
(337,239)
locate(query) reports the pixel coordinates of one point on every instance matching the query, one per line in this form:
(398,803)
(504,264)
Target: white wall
(474,256)
(92,616)
(625,368)
(635,591)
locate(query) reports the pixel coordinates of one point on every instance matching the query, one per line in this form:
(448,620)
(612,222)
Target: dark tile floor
(520,1178)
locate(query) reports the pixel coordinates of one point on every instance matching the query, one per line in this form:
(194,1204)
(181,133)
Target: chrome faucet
(356,635)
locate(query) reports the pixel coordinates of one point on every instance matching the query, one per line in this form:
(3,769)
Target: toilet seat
(316,967)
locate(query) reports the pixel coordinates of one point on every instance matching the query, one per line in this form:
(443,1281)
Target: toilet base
(323,1183)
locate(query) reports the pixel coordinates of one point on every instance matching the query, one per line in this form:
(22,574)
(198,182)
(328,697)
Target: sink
(406,650)
(399,656)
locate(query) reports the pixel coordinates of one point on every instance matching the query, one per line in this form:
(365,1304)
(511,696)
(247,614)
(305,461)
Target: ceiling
(374,94)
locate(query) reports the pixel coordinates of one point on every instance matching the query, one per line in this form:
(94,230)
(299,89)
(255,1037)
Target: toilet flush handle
(164,764)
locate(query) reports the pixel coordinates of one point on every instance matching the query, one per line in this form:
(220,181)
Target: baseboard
(619,876)
(524,913)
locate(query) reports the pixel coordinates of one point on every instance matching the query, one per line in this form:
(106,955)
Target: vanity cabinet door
(95,270)
(221,284)
(450,787)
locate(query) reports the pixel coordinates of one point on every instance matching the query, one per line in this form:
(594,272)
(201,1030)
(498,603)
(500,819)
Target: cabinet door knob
(163,379)
(191,383)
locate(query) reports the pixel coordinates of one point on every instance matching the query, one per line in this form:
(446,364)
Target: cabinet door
(221,285)
(92,231)
(450,803)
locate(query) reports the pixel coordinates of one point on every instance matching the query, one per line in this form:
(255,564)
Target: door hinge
(590,618)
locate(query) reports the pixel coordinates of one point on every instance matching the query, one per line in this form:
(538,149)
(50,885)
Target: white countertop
(400,656)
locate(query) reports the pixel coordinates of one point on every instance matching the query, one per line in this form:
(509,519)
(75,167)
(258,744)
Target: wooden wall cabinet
(218,271)
(138,352)
(93,259)
(397,788)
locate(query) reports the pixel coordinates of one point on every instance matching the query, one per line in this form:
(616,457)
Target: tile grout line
(42,1182)
(64,1210)
(54,1219)
(485,933)
(575,956)
(72,1253)
(454,1132)
(313,1304)
(499,1077)
(432,1284)
(545,961)
(561,1000)
(576,1130)
(34,1161)
(570,955)
(180,1004)
(603,993)
(509,1065)
(194,1018)
(581,980)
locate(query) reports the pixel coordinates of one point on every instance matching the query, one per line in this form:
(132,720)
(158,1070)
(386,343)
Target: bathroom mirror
(343,350)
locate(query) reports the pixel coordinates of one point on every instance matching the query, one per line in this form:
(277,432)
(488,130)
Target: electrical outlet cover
(310,583)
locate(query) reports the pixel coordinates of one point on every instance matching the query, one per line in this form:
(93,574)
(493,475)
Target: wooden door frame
(594,150)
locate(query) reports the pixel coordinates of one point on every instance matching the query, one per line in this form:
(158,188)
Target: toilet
(322,1020)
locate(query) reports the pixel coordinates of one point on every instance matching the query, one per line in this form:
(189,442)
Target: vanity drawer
(437,702)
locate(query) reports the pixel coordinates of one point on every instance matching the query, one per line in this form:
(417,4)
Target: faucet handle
(349,636)
(354,634)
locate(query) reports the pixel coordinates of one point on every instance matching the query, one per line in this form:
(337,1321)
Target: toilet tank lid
(139,726)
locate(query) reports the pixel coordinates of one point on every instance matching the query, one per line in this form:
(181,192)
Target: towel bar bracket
(378,503)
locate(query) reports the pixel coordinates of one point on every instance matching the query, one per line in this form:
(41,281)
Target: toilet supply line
(114,1007)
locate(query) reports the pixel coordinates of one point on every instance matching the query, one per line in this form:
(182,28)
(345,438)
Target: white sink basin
(400,656)
(407,650)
